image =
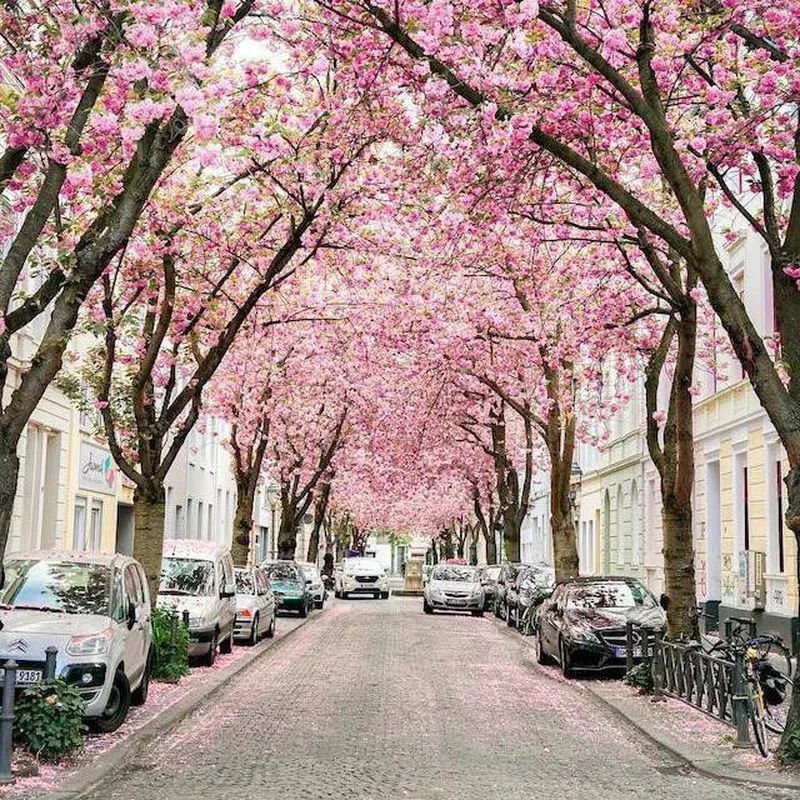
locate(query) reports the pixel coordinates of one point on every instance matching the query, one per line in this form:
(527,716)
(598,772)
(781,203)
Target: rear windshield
(454,574)
(189,576)
(282,572)
(73,588)
(244,582)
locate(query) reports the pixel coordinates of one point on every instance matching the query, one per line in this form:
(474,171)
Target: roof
(77,556)
(193,548)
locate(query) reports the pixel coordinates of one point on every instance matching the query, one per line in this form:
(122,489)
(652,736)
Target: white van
(197,577)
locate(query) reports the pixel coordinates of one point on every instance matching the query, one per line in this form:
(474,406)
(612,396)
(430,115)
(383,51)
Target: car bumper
(291,603)
(597,658)
(457,604)
(365,588)
(200,641)
(318,595)
(242,627)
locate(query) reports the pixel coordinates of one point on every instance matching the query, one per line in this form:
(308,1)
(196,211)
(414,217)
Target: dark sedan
(531,587)
(505,579)
(582,624)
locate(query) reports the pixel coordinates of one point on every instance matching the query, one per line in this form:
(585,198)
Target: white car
(95,610)
(197,576)
(256,608)
(454,588)
(316,588)
(361,576)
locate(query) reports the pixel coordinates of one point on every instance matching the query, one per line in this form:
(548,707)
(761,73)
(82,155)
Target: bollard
(50,654)
(186,618)
(739,702)
(628,646)
(657,666)
(7,721)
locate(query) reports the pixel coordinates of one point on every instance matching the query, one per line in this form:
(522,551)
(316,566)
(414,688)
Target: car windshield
(192,576)
(310,571)
(609,595)
(244,582)
(362,565)
(454,574)
(282,572)
(66,586)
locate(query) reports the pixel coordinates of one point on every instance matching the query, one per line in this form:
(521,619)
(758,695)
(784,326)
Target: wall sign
(97,471)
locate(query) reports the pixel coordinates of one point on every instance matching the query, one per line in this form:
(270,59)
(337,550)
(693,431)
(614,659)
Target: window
(178,521)
(189,518)
(746,509)
(79,524)
(117,603)
(131,586)
(96,525)
(200,519)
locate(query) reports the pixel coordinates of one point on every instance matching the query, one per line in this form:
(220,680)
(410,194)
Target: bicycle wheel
(778,655)
(775,716)
(757,718)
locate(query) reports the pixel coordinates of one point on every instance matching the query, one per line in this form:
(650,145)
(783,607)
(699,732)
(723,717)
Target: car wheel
(336,593)
(566,664)
(117,707)
(478,612)
(139,695)
(377,595)
(211,655)
(319,604)
(303,611)
(253,640)
(426,607)
(226,646)
(509,618)
(343,595)
(541,657)
(271,630)
(384,595)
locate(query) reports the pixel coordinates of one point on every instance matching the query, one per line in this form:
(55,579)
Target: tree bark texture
(149,510)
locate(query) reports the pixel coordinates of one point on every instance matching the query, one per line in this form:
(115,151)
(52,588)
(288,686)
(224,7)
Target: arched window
(623,537)
(607,533)
(636,528)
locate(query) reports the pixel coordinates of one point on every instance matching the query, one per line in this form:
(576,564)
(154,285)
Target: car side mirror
(131,615)
(228,590)
(663,601)
(309,581)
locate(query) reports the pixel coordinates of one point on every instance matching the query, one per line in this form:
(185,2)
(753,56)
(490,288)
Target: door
(136,644)
(265,601)
(550,621)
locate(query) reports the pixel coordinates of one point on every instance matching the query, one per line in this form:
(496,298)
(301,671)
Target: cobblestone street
(374,700)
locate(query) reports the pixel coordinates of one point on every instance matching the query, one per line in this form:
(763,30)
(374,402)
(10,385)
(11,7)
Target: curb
(710,768)
(90,776)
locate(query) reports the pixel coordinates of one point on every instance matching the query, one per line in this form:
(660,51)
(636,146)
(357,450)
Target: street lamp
(273,497)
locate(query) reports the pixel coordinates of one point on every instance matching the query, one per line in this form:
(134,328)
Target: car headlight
(585,636)
(95,644)
(437,592)
(196,622)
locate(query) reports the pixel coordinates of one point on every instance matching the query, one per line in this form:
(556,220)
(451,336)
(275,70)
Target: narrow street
(373,700)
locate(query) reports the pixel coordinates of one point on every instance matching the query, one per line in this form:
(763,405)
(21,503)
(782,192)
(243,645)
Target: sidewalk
(703,742)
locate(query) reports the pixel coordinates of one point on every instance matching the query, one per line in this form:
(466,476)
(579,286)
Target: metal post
(7,721)
(173,628)
(50,654)
(739,702)
(186,618)
(656,664)
(628,646)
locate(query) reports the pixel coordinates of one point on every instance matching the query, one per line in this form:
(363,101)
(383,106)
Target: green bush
(640,677)
(48,720)
(170,646)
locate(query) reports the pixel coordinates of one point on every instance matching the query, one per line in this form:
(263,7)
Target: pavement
(377,701)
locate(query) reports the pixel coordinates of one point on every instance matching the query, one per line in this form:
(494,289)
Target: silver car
(316,588)
(255,606)
(95,610)
(454,588)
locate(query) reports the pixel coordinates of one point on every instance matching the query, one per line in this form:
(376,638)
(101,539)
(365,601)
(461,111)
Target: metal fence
(714,685)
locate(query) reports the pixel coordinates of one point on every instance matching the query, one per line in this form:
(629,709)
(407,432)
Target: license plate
(457,602)
(622,652)
(24,676)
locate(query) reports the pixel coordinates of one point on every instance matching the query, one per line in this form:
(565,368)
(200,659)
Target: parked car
(95,609)
(508,573)
(361,576)
(289,586)
(255,606)
(454,588)
(426,573)
(317,590)
(582,624)
(489,575)
(531,586)
(197,576)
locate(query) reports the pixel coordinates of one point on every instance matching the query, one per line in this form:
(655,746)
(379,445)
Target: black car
(531,586)
(582,624)
(508,573)
(489,575)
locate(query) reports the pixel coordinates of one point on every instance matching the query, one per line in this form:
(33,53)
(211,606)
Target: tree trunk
(473,546)
(491,546)
(561,444)
(149,510)
(320,509)
(565,552)
(511,534)
(679,577)
(9,474)
(242,525)
(287,535)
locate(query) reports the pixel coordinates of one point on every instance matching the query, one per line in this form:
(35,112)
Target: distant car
(532,585)
(197,576)
(95,609)
(489,575)
(255,606)
(289,585)
(316,588)
(454,588)
(582,624)
(361,576)
(426,573)
(506,578)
